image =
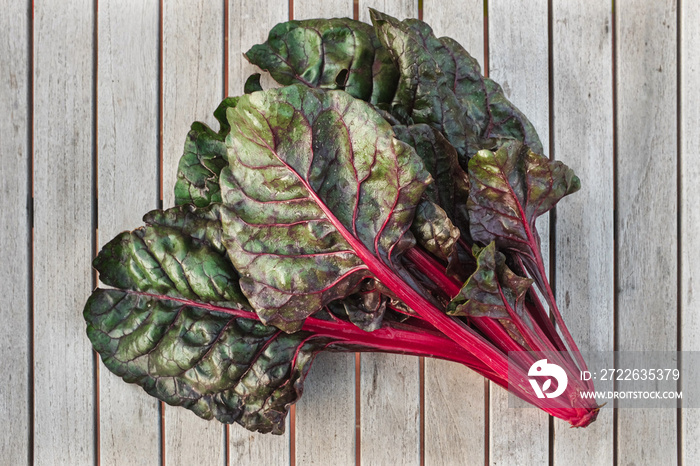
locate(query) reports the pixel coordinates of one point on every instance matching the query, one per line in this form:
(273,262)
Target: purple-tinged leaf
(311,172)
(492,288)
(510,188)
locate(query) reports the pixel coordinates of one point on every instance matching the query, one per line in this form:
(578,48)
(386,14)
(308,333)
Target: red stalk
(493,330)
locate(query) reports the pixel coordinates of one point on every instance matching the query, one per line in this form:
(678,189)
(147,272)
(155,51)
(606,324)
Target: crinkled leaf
(199,223)
(166,327)
(365,308)
(329,53)
(441,85)
(483,99)
(218,366)
(164,259)
(202,161)
(315,178)
(510,188)
(434,230)
(491,289)
(252,84)
(451,187)
(423,94)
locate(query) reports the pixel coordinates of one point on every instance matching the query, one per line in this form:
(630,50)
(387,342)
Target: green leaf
(330,54)
(451,187)
(484,101)
(163,259)
(434,231)
(492,288)
(510,188)
(441,85)
(315,178)
(202,161)
(179,326)
(423,94)
(365,309)
(252,84)
(218,366)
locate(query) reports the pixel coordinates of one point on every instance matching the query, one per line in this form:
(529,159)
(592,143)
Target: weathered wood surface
(646,223)
(193,86)
(127,187)
(460,432)
(81,86)
(63,126)
(15,231)
(583,138)
(690,215)
(518,61)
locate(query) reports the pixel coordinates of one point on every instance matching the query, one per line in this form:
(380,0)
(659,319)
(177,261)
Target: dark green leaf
(441,85)
(218,366)
(164,259)
(202,161)
(483,100)
(310,171)
(331,54)
(434,230)
(451,187)
(252,84)
(365,308)
(492,289)
(510,188)
(423,94)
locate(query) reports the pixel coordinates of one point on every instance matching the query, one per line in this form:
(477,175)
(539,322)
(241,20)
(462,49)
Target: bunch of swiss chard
(383,199)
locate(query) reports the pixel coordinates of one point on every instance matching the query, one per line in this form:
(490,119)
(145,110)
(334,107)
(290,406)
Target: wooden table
(96,99)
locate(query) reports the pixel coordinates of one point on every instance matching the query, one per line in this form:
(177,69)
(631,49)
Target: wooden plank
(389,384)
(15,231)
(307,9)
(249,23)
(193,37)
(455,424)
(583,139)
(518,60)
(127,171)
(646,210)
(63,231)
(325,415)
(690,215)
(390,409)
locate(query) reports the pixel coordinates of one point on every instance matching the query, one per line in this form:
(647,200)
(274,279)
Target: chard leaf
(330,54)
(252,84)
(441,85)
(202,161)
(164,259)
(316,184)
(365,309)
(179,326)
(492,288)
(218,366)
(483,99)
(510,188)
(451,187)
(434,231)
(423,94)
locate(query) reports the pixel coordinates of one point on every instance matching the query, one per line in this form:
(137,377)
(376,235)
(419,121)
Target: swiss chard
(385,199)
